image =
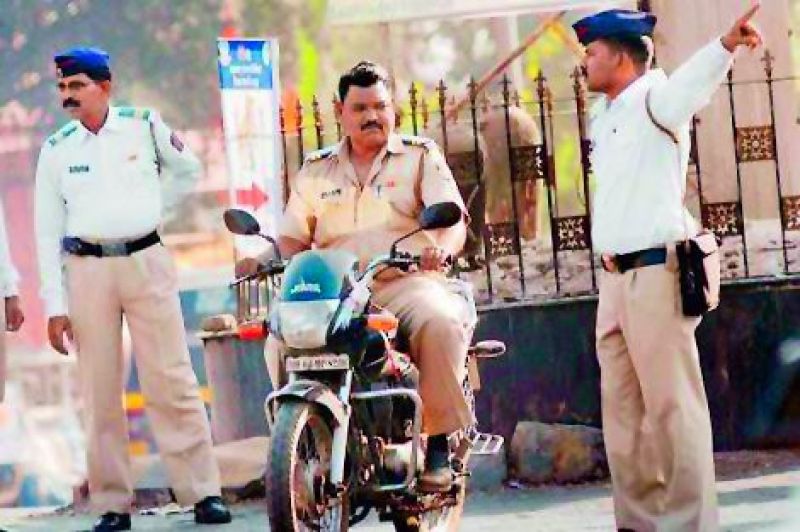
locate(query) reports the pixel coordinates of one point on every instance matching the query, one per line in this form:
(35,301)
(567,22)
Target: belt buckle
(72,245)
(610,263)
(116,249)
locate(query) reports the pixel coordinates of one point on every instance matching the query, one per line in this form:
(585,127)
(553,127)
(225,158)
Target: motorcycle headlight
(304,324)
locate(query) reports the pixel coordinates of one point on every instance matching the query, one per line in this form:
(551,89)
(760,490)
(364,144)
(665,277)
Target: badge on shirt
(382,186)
(176,142)
(336,192)
(79,169)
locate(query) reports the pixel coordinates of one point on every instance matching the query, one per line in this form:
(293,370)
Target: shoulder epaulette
(414,140)
(62,133)
(142,113)
(318,155)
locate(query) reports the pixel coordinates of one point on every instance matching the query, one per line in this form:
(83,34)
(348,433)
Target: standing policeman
(655,415)
(11,316)
(98,207)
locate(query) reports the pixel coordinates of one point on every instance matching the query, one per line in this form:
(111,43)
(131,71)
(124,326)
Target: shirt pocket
(400,195)
(335,213)
(140,160)
(78,179)
(138,172)
(625,135)
(330,201)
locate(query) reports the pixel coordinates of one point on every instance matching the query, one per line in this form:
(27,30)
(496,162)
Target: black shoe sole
(214,521)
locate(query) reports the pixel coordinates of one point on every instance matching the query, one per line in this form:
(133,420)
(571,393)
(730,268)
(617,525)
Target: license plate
(318,363)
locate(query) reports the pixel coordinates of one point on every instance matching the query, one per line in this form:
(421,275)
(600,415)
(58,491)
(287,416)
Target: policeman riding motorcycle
(346,430)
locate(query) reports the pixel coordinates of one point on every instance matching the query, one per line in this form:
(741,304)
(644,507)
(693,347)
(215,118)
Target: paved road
(764,503)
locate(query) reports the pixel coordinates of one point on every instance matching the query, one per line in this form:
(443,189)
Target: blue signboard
(245,64)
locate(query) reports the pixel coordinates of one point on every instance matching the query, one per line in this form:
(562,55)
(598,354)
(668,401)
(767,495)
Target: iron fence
(521,158)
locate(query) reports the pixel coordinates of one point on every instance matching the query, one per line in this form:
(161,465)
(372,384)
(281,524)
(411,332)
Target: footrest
(488,349)
(483,443)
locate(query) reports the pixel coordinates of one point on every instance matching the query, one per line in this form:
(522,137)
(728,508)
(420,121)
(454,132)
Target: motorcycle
(346,428)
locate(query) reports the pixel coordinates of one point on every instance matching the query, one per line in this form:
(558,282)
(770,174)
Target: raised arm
(691,86)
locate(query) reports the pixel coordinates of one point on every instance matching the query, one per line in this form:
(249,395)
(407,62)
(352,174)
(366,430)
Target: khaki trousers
(435,320)
(143,287)
(3,360)
(437,323)
(656,422)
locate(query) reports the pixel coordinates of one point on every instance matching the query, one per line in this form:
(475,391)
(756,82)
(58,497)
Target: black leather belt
(81,248)
(636,259)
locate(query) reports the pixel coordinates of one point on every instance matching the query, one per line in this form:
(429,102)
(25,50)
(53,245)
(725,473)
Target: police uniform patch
(134,112)
(175,141)
(414,140)
(319,154)
(62,133)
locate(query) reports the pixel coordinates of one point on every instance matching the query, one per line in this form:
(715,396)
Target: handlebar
(401,260)
(404,261)
(273,267)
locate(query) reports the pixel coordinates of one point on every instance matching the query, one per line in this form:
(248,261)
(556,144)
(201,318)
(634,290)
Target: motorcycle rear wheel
(298,469)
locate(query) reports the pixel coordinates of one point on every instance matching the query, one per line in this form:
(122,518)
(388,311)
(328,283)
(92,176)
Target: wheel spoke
(313,510)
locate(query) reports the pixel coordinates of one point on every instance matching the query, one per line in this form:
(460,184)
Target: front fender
(310,392)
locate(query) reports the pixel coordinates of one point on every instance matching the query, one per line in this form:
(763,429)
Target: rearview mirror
(241,222)
(440,215)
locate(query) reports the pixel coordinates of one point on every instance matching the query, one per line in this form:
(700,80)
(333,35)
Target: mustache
(371,124)
(70,102)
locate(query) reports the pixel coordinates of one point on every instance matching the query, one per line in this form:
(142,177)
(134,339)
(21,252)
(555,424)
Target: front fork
(340,433)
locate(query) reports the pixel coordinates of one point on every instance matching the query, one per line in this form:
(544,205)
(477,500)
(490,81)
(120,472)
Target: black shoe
(111,521)
(211,511)
(438,476)
(436,480)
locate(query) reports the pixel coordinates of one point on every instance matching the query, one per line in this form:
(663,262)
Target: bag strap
(158,152)
(674,138)
(664,129)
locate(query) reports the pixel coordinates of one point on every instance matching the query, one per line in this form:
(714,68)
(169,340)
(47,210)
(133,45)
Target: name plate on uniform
(318,363)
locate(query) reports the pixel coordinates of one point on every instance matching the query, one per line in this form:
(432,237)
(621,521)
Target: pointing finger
(749,14)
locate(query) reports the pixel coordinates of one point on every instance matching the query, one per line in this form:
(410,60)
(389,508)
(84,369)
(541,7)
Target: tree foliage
(162,53)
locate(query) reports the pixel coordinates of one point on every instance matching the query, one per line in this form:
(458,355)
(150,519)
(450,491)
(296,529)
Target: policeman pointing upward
(655,414)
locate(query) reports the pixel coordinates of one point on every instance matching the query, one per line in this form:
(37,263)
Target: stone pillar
(505,31)
(683,27)
(237,377)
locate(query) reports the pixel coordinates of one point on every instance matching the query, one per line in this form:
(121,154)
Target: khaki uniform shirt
(329,208)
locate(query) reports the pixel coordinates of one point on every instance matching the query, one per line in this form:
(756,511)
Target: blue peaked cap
(614,23)
(83,60)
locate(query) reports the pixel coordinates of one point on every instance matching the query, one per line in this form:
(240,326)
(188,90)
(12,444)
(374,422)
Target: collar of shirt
(394,145)
(112,123)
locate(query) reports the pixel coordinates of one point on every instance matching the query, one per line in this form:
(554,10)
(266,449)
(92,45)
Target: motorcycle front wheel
(298,473)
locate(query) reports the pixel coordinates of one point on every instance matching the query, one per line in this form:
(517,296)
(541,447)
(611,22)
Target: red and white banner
(248,73)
